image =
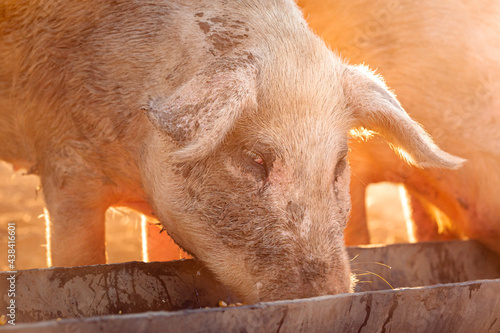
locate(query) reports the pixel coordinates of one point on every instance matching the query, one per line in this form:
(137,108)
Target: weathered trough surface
(460,307)
(101,290)
(423,264)
(44,294)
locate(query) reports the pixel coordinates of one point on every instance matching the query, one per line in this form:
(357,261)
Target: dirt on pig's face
(257,187)
(266,210)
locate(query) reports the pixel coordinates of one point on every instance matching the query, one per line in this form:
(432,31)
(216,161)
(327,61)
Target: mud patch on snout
(295,212)
(204,26)
(313,270)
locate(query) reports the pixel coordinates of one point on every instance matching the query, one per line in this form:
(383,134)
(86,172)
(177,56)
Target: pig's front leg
(77,207)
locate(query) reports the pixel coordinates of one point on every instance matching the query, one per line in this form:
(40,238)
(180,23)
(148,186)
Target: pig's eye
(257,162)
(340,168)
(255,157)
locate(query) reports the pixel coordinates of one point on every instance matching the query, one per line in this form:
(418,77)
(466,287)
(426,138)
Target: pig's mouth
(275,292)
(279,282)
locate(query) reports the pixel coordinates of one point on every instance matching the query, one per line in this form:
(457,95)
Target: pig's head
(247,169)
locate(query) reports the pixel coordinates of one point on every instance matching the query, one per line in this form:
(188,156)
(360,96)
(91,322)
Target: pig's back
(82,70)
(436,55)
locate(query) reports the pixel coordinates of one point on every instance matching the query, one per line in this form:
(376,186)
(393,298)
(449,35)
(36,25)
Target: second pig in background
(442,59)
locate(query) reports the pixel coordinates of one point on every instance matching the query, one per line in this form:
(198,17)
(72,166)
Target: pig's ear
(201,112)
(376,109)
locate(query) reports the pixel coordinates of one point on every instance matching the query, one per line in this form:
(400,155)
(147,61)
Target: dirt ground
(20,202)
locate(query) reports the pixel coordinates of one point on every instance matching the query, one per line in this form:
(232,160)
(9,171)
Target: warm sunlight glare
(144,238)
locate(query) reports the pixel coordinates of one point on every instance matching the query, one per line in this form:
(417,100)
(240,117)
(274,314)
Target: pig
(443,60)
(226,120)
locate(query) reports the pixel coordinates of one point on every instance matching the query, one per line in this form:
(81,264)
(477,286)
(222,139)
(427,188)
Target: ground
(20,202)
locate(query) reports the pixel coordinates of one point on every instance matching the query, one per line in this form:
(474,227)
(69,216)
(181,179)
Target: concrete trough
(439,287)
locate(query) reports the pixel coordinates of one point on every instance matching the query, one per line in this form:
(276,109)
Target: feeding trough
(438,286)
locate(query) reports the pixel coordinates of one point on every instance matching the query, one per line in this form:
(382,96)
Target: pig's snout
(312,278)
(317,281)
